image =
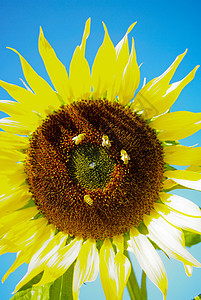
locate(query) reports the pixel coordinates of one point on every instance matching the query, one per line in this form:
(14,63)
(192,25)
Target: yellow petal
(38,84)
(163,100)
(42,256)
(149,260)
(114,271)
(85,36)
(79,76)
(104,68)
(86,267)
(172,125)
(180,204)
(8,185)
(149,98)
(15,218)
(8,166)
(11,170)
(29,100)
(54,67)
(14,156)
(16,177)
(13,108)
(118,240)
(7,246)
(20,94)
(131,78)
(16,199)
(42,234)
(189,179)
(194,168)
(31,121)
(21,114)
(12,141)
(168,184)
(189,223)
(188,270)
(122,50)
(168,238)
(22,257)
(182,155)
(15,127)
(172,93)
(24,234)
(123,272)
(107,272)
(60,261)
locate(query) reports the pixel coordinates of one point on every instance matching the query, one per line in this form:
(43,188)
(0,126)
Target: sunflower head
(87,165)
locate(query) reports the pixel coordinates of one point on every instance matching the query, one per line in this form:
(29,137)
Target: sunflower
(87,173)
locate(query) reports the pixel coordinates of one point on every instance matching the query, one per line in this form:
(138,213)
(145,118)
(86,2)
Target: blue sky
(164,30)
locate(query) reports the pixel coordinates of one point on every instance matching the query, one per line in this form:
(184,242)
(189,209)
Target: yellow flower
(85,167)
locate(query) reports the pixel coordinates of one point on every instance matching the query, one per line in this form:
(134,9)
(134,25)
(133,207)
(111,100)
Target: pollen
(75,172)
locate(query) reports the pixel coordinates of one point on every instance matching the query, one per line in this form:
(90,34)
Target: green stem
(132,284)
(143,286)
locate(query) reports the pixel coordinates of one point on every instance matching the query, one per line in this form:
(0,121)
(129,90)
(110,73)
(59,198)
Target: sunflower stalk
(132,284)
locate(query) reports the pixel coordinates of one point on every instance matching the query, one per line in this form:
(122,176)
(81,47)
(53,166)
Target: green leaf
(143,229)
(198,297)
(154,244)
(60,289)
(33,281)
(176,187)
(30,203)
(60,99)
(191,238)
(33,293)
(168,167)
(143,287)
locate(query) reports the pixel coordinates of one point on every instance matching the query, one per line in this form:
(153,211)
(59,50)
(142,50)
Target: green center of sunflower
(94,169)
(90,166)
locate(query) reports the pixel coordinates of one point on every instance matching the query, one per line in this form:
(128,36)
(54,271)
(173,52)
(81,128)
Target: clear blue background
(164,30)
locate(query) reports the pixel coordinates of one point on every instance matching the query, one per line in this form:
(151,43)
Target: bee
(106,142)
(79,138)
(125,157)
(88,200)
